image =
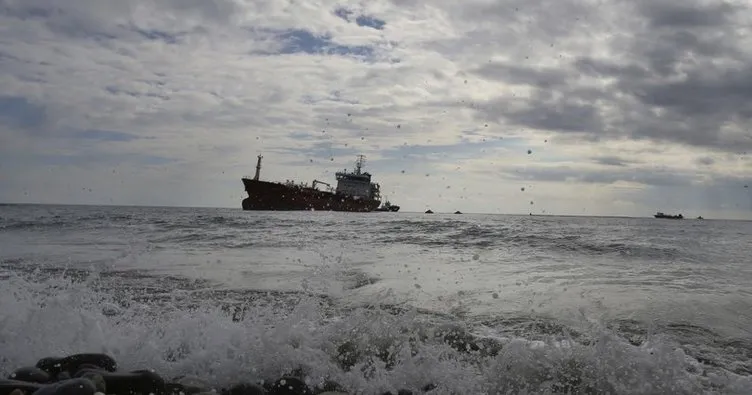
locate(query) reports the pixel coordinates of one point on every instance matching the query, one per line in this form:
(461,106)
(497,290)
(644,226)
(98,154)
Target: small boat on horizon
(388,206)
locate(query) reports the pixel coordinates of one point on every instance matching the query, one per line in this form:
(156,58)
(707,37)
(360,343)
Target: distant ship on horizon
(388,206)
(354,193)
(668,216)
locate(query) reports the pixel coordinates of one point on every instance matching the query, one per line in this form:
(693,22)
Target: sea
(376,302)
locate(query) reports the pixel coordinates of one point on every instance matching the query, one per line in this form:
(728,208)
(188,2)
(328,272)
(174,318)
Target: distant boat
(387,206)
(458,212)
(700,217)
(668,216)
(429,211)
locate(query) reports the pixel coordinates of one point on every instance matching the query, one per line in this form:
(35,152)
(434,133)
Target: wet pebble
(8,386)
(400,392)
(77,386)
(97,380)
(30,374)
(72,363)
(245,389)
(95,374)
(127,383)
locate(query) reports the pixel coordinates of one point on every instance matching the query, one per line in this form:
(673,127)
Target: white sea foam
(388,350)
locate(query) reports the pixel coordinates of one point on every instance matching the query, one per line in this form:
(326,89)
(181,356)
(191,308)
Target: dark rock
(72,363)
(121,383)
(97,380)
(400,392)
(245,389)
(8,386)
(87,366)
(50,365)
(174,389)
(78,386)
(189,384)
(31,374)
(62,376)
(289,386)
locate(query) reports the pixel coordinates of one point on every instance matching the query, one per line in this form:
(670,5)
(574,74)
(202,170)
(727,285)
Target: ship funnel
(258,168)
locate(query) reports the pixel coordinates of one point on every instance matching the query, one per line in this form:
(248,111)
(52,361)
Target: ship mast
(359,163)
(258,168)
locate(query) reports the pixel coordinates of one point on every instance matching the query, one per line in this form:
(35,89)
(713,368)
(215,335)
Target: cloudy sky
(609,107)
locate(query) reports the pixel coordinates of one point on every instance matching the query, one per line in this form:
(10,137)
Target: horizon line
(330,211)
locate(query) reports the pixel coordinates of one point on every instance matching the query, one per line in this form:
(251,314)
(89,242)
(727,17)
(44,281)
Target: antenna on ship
(258,168)
(359,163)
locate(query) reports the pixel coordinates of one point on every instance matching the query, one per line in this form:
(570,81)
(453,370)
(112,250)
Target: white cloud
(623,105)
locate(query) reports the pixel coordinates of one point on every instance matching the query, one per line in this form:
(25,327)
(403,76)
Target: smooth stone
(174,389)
(30,374)
(8,386)
(96,379)
(49,364)
(289,386)
(78,386)
(191,384)
(87,366)
(122,383)
(62,376)
(245,389)
(17,392)
(72,363)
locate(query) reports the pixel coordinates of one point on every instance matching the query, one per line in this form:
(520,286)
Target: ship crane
(313,185)
(258,168)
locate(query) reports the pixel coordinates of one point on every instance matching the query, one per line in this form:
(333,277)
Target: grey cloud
(681,75)
(687,13)
(642,175)
(705,160)
(539,77)
(613,161)
(546,113)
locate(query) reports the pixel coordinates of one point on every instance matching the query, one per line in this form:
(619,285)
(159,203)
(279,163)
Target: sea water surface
(466,304)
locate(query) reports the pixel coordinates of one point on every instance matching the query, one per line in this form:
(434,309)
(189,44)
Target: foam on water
(367,350)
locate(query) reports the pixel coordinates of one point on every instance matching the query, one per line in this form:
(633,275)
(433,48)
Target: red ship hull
(272,196)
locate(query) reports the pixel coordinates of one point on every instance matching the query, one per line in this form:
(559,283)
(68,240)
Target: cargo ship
(354,193)
(668,216)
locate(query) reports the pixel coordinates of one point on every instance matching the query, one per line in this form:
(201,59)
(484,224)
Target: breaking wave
(367,350)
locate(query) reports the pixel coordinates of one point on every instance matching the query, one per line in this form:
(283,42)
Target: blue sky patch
(21,113)
(369,21)
(343,13)
(157,35)
(303,41)
(360,20)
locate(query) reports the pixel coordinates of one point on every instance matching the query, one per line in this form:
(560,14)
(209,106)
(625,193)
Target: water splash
(367,350)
